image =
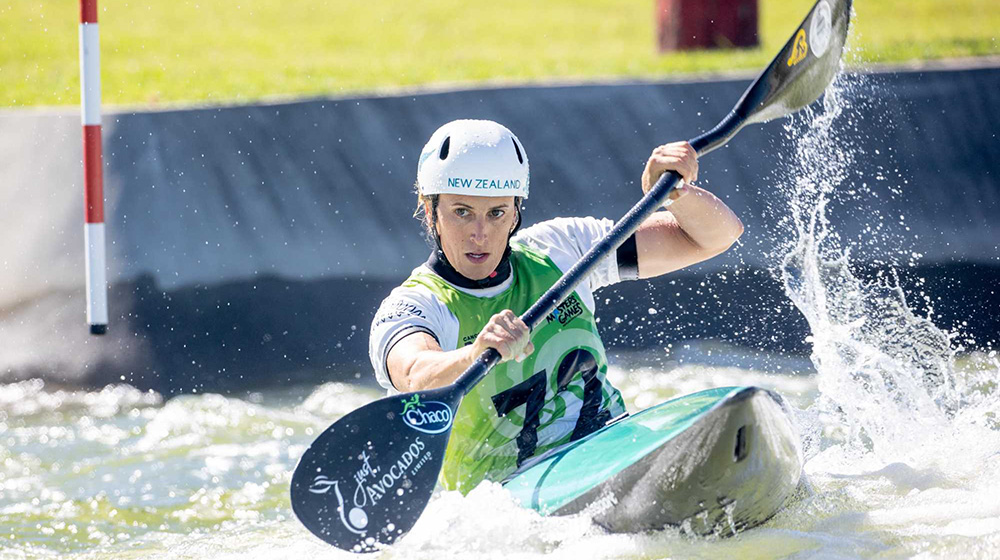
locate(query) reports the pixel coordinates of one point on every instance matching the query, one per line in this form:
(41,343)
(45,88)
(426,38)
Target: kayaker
(550,387)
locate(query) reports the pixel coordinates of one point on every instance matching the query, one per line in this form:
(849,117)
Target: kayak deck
(716,461)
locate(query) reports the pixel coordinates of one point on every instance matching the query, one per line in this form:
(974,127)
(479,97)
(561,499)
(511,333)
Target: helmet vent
(445,146)
(520,158)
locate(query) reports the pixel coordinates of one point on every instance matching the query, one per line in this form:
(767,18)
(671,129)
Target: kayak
(713,462)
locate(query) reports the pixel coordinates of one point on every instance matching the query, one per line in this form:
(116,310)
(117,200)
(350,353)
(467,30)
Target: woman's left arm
(697,226)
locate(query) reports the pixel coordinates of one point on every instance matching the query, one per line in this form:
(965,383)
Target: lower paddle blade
(367,478)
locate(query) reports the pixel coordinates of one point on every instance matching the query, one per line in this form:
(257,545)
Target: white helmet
(478,158)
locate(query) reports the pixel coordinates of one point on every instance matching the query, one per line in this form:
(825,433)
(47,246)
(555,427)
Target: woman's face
(474,231)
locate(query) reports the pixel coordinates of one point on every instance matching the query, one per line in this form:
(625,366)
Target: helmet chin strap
(438,261)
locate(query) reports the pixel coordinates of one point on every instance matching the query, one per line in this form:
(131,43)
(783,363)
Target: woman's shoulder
(566,240)
(412,295)
(566,233)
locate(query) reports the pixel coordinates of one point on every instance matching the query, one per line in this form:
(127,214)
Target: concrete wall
(251,245)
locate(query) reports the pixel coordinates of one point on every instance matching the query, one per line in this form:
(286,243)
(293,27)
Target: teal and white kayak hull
(716,461)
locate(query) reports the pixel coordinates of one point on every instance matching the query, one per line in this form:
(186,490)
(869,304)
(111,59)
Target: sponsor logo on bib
(566,311)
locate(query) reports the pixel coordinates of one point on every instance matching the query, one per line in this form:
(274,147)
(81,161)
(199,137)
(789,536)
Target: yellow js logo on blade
(800,49)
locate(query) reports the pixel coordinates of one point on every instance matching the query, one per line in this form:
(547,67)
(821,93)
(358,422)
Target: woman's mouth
(477,258)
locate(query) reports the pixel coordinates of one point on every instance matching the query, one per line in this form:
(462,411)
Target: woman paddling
(550,387)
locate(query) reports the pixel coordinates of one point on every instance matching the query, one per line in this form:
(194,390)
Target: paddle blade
(367,478)
(803,68)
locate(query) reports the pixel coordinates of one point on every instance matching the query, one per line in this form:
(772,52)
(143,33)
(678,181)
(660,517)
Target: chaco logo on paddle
(432,417)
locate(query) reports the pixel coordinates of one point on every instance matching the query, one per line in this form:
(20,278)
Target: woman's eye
(461,212)
(497,213)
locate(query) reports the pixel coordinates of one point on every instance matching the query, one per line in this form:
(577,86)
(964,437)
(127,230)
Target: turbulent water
(901,431)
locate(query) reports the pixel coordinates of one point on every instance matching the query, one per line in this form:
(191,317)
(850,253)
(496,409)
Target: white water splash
(904,431)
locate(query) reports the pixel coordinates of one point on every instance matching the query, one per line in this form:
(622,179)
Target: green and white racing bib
(519,410)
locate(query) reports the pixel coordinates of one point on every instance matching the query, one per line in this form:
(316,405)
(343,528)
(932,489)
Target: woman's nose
(479,232)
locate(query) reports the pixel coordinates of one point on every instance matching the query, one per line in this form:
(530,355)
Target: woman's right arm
(417,361)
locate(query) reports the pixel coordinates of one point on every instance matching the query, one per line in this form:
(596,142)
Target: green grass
(214,51)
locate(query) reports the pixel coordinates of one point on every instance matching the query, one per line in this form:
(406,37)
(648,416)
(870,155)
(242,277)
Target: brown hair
(427,219)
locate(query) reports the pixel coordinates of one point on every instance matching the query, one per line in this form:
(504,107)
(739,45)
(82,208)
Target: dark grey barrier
(251,245)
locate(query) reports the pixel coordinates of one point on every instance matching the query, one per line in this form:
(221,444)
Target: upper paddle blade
(795,78)
(366,479)
(803,69)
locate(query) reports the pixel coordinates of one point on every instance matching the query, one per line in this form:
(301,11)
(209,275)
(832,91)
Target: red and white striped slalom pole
(93,181)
